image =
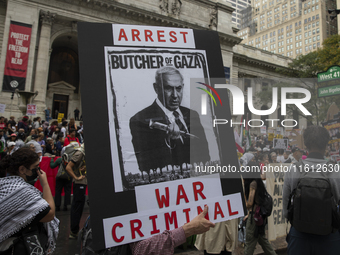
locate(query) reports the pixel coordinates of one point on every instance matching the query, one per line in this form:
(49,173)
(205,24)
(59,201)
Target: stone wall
(197,14)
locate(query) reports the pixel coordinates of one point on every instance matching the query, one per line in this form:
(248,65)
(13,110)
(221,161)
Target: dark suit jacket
(151,148)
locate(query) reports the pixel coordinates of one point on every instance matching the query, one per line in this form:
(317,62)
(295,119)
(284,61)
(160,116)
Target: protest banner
(263,130)
(60,117)
(277,224)
(15,72)
(31,110)
(333,128)
(270,137)
(146,80)
(2,108)
(279,131)
(280,143)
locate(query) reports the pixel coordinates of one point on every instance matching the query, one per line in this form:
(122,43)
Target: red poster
(17,56)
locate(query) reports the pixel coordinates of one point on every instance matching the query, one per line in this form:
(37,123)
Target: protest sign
(333,128)
(263,130)
(31,110)
(60,117)
(2,108)
(146,81)
(279,131)
(277,224)
(280,144)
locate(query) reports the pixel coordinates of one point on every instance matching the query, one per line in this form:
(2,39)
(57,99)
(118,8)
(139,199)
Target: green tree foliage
(329,54)
(304,69)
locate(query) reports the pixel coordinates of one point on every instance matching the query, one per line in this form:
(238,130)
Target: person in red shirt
(71,138)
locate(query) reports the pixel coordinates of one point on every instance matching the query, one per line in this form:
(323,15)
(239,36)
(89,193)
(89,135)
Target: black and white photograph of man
(161,135)
(158,148)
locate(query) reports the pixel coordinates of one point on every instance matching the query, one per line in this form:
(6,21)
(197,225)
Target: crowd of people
(23,144)
(28,215)
(263,151)
(47,139)
(305,235)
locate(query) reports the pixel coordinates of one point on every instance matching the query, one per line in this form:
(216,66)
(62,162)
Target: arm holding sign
(166,242)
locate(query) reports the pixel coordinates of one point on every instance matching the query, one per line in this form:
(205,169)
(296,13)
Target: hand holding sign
(198,225)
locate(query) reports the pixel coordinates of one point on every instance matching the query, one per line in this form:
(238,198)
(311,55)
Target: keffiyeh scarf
(20,204)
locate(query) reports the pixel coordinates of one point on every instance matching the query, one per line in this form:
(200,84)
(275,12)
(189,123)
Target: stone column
(43,58)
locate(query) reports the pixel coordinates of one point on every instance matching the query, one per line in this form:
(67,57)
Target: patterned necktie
(178,121)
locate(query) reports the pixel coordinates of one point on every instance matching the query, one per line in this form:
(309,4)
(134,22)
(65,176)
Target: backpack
(263,211)
(67,154)
(85,243)
(267,205)
(312,207)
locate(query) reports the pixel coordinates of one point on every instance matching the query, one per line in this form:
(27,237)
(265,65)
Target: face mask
(33,176)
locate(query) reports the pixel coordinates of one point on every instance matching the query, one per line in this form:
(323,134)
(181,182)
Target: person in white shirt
(36,123)
(63,128)
(280,158)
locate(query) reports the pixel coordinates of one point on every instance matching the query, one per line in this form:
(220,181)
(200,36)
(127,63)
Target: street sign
(333,73)
(329,82)
(329,91)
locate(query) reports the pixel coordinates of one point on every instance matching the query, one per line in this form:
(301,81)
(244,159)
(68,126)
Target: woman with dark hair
(255,191)
(59,144)
(52,129)
(72,124)
(263,160)
(23,124)
(27,219)
(56,134)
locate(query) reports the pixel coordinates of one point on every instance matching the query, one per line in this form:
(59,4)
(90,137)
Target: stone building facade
(53,59)
(289,27)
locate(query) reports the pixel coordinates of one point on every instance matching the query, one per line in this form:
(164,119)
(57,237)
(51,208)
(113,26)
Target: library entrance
(60,105)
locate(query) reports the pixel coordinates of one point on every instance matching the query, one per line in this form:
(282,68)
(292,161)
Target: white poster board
(2,108)
(277,224)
